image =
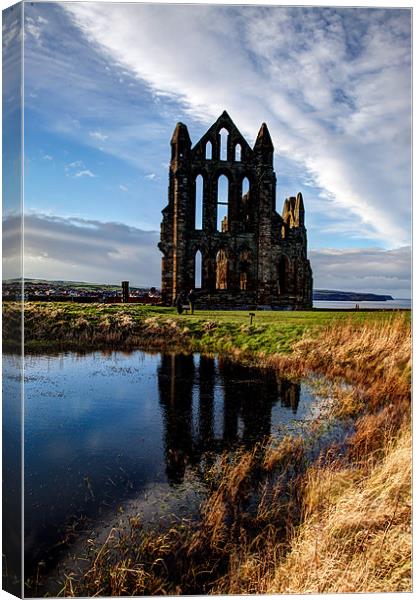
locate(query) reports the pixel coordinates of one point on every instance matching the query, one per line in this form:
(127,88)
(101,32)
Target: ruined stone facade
(220,232)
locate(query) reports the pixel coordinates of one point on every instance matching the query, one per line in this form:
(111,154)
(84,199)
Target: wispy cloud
(124,188)
(12,63)
(98,135)
(95,108)
(151,176)
(47,157)
(72,169)
(74,165)
(33,26)
(85,173)
(10,30)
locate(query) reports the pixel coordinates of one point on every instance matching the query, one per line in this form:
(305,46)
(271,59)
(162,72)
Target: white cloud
(11,31)
(332,84)
(76,164)
(47,157)
(34,27)
(124,188)
(98,135)
(151,176)
(84,173)
(71,169)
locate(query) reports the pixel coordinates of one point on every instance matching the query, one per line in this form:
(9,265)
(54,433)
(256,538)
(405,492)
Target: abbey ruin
(221,234)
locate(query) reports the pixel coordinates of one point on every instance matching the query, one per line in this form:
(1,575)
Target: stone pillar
(181,205)
(125,291)
(181,195)
(266,190)
(265,197)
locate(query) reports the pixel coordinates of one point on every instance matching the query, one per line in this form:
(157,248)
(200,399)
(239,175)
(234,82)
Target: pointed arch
(221,270)
(198,270)
(246,204)
(222,204)
(245,186)
(198,214)
(245,259)
(208,150)
(238,153)
(223,144)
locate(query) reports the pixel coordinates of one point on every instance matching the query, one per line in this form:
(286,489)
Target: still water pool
(103,428)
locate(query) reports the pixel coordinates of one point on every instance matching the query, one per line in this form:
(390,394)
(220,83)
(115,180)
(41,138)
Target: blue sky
(106,83)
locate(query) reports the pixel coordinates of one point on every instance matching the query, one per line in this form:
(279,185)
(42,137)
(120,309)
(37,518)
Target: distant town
(79,291)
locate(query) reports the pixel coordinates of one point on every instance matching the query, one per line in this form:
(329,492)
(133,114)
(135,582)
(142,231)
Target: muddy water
(133,429)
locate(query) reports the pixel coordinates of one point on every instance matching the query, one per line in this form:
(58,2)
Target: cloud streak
(98,135)
(85,173)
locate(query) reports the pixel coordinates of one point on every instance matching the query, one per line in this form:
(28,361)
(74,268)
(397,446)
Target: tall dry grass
(356,529)
(273,523)
(354,533)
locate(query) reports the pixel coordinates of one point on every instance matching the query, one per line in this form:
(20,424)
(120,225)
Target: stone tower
(221,234)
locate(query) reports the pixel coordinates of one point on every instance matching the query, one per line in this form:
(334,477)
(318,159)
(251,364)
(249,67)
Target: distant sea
(396,303)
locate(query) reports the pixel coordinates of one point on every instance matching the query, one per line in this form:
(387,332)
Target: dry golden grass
(356,534)
(221,514)
(275,524)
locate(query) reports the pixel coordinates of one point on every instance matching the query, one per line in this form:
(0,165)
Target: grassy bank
(55,326)
(276,520)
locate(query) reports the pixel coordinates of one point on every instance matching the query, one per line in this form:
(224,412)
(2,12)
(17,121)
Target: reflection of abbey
(211,405)
(220,232)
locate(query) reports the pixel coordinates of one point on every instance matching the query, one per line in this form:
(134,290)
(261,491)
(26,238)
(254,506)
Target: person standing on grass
(192,299)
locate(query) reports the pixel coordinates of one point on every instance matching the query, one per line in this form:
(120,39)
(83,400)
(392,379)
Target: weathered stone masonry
(220,232)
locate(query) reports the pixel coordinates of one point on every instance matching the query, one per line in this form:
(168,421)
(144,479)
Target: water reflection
(104,428)
(192,389)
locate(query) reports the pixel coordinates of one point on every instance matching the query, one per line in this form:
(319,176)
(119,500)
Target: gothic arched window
(246,204)
(222,204)
(208,150)
(244,268)
(198,270)
(223,146)
(245,186)
(198,215)
(238,152)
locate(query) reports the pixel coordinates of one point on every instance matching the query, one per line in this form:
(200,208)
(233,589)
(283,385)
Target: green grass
(53,325)
(272,331)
